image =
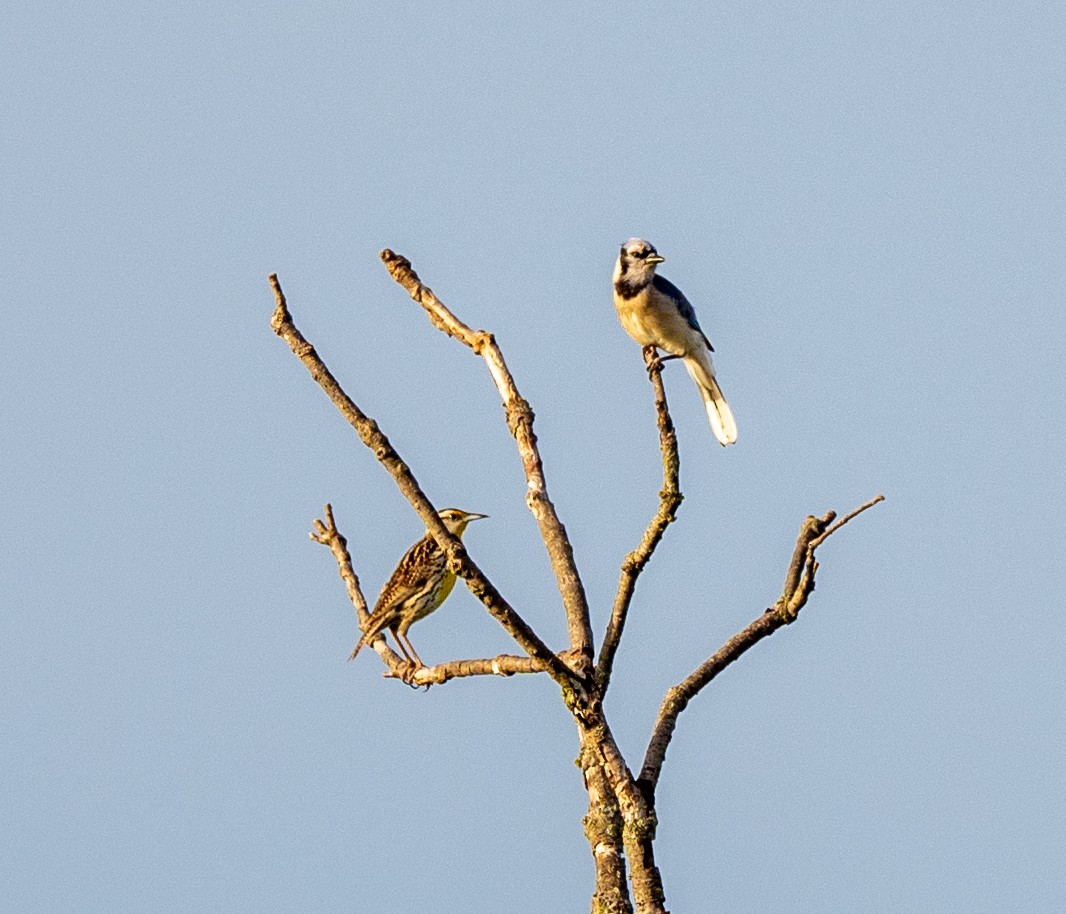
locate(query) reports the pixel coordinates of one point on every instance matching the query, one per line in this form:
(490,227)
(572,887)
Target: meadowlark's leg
(413,663)
(402,647)
(413,655)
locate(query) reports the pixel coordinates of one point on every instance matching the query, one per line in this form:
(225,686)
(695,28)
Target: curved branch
(799,583)
(458,559)
(670,498)
(520,423)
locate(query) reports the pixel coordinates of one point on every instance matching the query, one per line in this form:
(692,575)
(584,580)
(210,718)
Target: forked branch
(799,583)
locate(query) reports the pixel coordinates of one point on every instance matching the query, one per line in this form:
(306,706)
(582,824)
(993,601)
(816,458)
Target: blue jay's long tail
(720,415)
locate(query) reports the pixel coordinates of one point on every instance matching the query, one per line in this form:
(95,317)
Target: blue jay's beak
(654,258)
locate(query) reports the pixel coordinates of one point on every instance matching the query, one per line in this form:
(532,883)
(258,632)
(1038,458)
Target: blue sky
(865,206)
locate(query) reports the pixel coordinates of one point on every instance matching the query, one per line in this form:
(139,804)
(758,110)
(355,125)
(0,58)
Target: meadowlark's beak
(470,517)
(655,258)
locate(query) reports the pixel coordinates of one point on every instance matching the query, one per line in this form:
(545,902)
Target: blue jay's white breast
(654,326)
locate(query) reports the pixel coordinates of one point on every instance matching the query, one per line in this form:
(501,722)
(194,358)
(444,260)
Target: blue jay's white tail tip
(723,424)
(720,415)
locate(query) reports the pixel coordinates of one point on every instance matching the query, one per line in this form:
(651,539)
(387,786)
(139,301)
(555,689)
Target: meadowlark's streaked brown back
(418,586)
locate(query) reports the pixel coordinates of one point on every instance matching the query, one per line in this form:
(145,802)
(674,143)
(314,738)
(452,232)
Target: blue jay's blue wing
(683,305)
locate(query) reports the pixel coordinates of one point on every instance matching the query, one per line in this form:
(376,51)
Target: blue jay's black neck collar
(630,285)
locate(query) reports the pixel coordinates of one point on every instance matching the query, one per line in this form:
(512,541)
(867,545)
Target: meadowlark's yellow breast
(446,585)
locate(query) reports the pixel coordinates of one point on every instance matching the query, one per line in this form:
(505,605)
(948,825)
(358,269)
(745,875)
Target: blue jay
(655,313)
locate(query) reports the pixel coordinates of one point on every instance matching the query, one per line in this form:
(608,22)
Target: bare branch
(639,821)
(458,558)
(800,579)
(851,515)
(603,829)
(501,665)
(327,534)
(799,583)
(670,498)
(520,423)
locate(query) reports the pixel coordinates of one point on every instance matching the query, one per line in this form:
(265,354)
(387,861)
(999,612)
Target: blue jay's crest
(638,247)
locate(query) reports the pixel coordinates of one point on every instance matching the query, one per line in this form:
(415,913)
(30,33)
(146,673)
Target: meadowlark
(418,586)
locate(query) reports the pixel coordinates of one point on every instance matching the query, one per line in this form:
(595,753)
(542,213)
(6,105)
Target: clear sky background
(865,203)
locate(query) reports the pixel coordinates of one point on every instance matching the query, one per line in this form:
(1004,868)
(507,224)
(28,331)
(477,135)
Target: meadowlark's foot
(408,672)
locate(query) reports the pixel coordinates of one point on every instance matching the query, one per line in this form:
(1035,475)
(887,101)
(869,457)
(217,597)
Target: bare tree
(621,820)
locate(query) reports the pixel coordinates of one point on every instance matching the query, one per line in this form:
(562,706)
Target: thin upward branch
(670,498)
(458,558)
(799,583)
(520,422)
(328,535)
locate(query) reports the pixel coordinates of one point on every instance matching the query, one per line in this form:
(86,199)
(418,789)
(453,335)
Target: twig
(458,559)
(799,583)
(520,423)
(670,498)
(327,534)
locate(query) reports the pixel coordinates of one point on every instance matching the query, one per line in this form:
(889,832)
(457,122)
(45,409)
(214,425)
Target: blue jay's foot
(654,361)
